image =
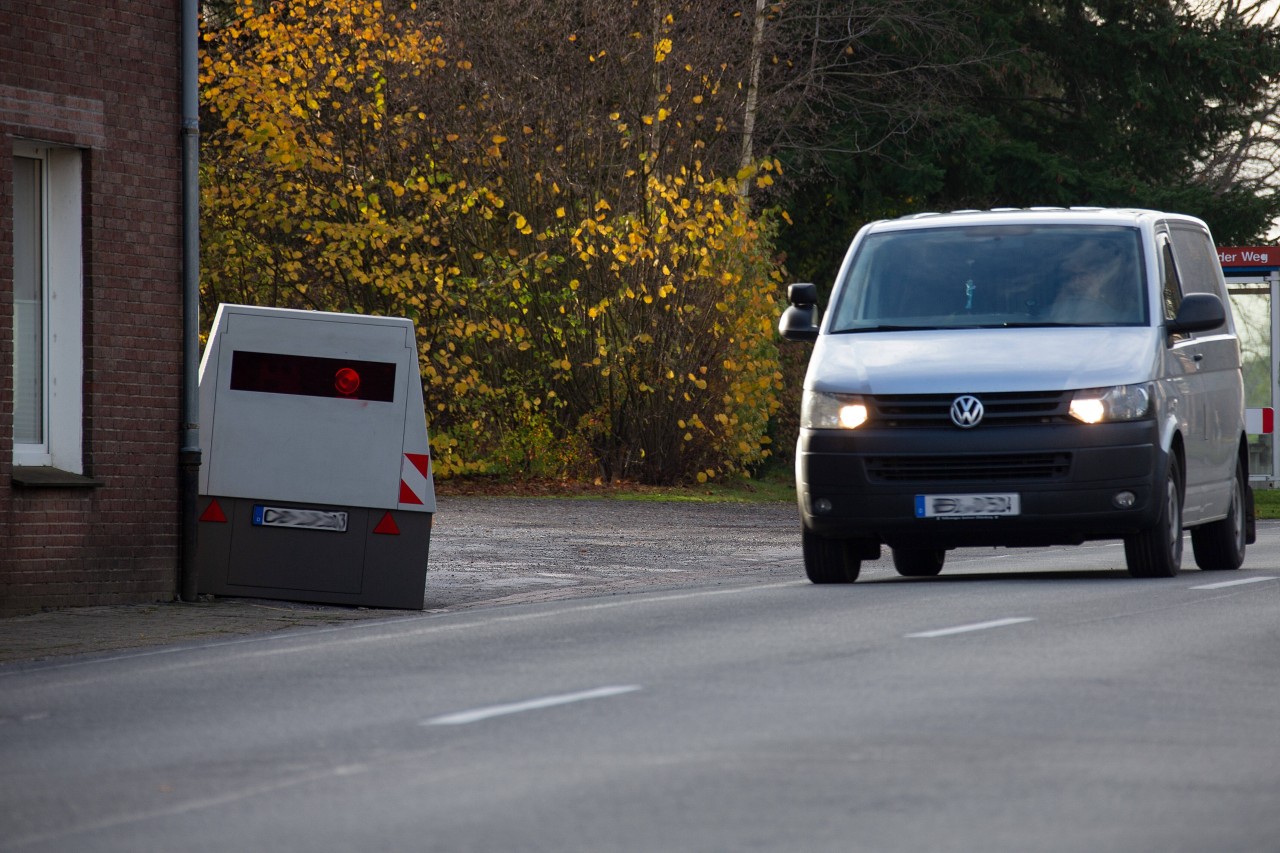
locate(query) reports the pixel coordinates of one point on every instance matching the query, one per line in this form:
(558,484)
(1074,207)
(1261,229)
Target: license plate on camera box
(967,506)
(299,519)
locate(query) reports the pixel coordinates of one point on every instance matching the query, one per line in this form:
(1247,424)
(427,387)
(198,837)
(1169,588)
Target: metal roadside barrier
(316,478)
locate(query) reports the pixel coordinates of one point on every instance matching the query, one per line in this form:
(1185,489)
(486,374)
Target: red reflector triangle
(213,512)
(387,526)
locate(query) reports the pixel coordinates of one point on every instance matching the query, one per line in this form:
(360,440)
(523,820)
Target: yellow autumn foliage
(619,327)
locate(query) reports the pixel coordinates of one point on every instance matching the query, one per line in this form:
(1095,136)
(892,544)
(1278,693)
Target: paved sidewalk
(484,552)
(111,628)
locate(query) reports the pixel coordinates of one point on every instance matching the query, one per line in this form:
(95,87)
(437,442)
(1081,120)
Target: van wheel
(1219,545)
(829,560)
(918,562)
(1157,551)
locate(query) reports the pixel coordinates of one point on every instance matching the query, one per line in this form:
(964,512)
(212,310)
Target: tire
(1219,545)
(918,562)
(1157,551)
(829,560)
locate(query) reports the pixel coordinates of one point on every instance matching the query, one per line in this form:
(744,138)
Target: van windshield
(994,276)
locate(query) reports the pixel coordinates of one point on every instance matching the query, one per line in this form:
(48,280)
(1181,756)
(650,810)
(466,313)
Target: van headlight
(1119,403)
(832,411)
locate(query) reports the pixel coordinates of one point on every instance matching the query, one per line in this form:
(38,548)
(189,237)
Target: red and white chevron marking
(414,471)
(1260,421)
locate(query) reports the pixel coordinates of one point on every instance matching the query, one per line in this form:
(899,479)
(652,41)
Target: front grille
(1001,409)
(993,468)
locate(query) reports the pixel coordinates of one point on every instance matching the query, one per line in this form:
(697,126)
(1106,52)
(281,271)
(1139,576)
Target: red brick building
(91,303)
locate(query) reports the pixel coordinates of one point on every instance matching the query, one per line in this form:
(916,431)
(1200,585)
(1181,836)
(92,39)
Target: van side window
(1172,287)
(1197,260)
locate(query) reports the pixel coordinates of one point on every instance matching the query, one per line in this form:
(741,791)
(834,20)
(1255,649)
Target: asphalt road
(1023,701)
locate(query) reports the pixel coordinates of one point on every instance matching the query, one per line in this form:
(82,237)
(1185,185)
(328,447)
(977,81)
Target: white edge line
(964,629)
(477,714)
(1225,584)
(181,808)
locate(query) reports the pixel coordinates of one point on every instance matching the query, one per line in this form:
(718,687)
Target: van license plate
(967,506)
(300,519)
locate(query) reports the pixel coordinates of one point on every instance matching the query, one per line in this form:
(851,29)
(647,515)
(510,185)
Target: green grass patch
(1266,502)
(735,490)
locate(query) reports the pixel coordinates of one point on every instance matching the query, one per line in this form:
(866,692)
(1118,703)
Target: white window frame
(63,310)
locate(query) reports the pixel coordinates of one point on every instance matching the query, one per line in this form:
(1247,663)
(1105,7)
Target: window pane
(994,276)
(274,373)
(1197,260)
(1172,287)
(28,302)
(1252,310)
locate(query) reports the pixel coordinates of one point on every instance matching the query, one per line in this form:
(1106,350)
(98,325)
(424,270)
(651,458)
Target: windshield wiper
(1030,324)
(1013,324)
(883,328)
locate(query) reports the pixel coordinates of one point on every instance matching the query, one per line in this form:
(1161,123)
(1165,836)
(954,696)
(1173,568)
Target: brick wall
(104,77)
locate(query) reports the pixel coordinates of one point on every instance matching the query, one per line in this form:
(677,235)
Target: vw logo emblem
(966,411)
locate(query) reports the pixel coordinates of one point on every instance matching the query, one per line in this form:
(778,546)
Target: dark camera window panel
(309,376)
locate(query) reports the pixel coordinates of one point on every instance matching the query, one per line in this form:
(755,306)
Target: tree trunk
(753,94)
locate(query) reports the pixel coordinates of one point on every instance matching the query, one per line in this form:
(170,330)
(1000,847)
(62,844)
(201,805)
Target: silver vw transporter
(1022,378)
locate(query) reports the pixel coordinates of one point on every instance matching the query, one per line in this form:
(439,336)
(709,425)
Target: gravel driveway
(506,550)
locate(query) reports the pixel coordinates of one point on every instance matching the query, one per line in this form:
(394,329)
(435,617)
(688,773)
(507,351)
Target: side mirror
(1199,312)
(800,321)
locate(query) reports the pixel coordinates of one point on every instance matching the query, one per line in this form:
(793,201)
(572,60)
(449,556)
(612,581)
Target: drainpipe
(189,450)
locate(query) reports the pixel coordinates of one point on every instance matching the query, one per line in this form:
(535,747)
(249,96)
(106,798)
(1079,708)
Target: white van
(1022,378)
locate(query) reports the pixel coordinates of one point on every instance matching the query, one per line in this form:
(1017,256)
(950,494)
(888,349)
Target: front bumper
(863,484)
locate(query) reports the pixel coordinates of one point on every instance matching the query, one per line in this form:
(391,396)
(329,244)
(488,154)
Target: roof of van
(1004,215)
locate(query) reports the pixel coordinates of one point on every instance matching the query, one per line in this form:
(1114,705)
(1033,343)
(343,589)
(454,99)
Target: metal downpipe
(189,449)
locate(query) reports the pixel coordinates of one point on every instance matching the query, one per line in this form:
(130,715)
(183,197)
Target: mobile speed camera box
(315,483)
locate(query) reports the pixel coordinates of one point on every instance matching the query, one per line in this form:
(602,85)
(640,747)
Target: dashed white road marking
(1225,584)
(477,714)
(965,629)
